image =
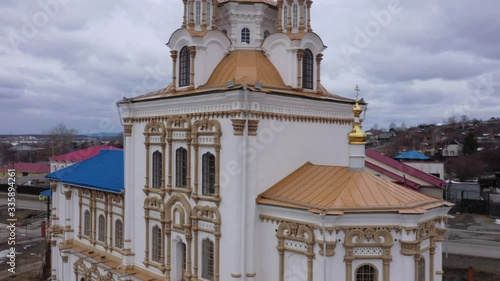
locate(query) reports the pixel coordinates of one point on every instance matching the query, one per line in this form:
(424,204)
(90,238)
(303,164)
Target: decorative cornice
(253,114)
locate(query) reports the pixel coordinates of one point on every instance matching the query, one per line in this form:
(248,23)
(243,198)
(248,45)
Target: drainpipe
(244,186)
(322,215)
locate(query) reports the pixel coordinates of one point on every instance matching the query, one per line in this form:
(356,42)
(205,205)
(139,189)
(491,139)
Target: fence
(474,202)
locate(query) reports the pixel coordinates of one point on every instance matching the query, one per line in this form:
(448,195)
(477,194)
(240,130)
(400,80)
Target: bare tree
(464,167)
(60,139)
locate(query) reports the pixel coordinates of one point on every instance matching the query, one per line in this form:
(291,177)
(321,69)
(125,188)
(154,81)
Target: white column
(128,259)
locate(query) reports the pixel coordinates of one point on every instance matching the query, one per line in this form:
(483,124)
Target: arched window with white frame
(207,251)
(285,16)
(86,223)
(181,167)
(366,272)
(209,13)
(306,13)
(157,169)
(295,16)
(421,269)
(308,70)
(208,174)
(184,67)
(197,13)
(245,35)
(118,234)
(156,244)
(101,229)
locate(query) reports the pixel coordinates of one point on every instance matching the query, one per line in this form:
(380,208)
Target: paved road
(470,247)
(27,204)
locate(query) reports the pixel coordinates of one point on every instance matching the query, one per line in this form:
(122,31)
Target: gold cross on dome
(357,89)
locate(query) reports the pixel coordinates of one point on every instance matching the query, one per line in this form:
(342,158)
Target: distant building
(25,172)
(426,177)
(452,150)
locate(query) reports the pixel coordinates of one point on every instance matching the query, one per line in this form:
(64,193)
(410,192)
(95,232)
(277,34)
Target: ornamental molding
(298,238)
(239,126)
(330,247)
(368,251)
(127,130)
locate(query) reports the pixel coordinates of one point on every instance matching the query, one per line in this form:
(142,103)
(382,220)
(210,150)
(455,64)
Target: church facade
(246,168)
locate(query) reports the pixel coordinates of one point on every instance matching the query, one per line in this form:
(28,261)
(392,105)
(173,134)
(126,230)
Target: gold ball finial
(357,136)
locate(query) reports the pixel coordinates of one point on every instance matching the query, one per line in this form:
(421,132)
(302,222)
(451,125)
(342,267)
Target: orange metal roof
(246,66)
(338,190)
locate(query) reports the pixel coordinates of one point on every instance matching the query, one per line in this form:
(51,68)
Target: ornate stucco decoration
(368,243)
(298,238)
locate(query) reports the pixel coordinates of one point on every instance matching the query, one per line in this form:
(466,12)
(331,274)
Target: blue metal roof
(46,193)
(103,171)
(412,155)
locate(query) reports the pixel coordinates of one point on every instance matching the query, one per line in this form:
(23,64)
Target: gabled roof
(412,155)
(404,168)
(103,172)
(338,190)
(82,154)
(27,167)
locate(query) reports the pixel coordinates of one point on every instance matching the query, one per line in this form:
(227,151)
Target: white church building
(243,168)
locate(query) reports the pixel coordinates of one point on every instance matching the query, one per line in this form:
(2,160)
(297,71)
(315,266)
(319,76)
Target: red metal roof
(27,167)
(82,154)
(403,168)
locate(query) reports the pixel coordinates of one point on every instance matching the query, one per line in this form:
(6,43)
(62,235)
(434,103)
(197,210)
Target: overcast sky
(416,61)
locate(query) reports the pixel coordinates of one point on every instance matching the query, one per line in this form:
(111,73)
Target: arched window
(119,234)
(156,244)
(305,17)
(307,70)
(245,35)
(295,16)
(207,259)
(198,13)
(421,269)
(184,257)
(208,174)
(86,223)
(157,167)
(181,167)
(184,67)
(209,13)
(266,34)
(285,16)
(366,273)
(102,228)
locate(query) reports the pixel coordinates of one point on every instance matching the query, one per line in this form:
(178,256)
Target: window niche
(206,145)
(308,70)
(179,150)
(155,135)
(184,67)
